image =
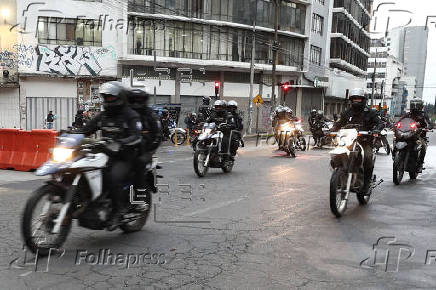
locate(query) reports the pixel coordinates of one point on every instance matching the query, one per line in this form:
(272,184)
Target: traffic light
(217,88)
(286,87)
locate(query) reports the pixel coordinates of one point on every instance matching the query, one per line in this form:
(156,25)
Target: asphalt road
(266,225)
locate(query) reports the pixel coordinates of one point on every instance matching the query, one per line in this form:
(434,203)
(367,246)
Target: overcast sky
(419,9)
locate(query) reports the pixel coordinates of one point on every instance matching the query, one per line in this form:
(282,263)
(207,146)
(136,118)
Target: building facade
(349,51)
(316,80)
(387,71)
(409,45)
(9,87)
(180,49)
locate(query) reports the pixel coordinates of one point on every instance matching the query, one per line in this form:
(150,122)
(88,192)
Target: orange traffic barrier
(25,150)
(8,140)
(45,140)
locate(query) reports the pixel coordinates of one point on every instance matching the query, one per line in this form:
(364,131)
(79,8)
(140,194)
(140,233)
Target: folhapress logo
(387,254)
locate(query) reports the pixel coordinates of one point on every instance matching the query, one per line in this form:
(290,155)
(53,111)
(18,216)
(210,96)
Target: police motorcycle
(326,128)
(300,142)
(208,150)
(406,149)
(382,141)
(77,190)
(285,133)
(177,135)
(348,171)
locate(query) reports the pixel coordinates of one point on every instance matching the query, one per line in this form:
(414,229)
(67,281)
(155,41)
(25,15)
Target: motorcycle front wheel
(398,168)
(181,138)
(386,145)
(199,168)
(302,143)
(338,186)
(37,223)
(290,147)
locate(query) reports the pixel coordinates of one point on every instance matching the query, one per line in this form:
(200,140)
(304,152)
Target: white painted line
(219,205)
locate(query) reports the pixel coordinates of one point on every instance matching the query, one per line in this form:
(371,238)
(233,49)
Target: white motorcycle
(348,175)
(77,191)
(208,151)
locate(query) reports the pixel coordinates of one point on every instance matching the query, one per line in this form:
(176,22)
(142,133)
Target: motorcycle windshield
(70,140)
(209,126)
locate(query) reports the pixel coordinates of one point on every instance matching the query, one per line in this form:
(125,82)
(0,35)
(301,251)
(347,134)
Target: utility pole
(253,52)
(275,48)
(373,79)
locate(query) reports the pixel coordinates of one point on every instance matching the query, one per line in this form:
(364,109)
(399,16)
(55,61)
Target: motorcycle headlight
(62,154)
(286,128)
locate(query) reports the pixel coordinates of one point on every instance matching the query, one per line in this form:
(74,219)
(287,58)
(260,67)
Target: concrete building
(409,45)
(9,88)
(349,51)
(181,48)
(316,80)
(388,73)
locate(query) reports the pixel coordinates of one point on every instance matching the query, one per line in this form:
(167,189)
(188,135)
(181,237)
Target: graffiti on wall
(72,60)
(19,55)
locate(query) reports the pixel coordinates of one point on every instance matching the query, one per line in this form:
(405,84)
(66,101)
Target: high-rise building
(409,45)
(349,50)
(388,73)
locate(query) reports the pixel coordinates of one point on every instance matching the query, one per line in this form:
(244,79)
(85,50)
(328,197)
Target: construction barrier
(25,150)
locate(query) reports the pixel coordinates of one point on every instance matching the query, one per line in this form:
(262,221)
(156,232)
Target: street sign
(315,82)
(258,100)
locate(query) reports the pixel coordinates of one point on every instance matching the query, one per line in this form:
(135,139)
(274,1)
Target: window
(211,42)
(70,31)
(317,23)
(315,55)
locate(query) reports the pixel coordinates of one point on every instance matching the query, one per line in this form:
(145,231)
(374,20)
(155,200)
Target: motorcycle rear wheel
(28,233)
(338,185)
(139,223)
(199,167)
(398,168)
(228,166)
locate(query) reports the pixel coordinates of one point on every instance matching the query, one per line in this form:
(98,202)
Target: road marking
(219,205)
(174,161)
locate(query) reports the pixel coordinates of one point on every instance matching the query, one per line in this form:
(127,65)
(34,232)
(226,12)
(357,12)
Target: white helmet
(357,92)
(232,104)
(287,109)
(220,104)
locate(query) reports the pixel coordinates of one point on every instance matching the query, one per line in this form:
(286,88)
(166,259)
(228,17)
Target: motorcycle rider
(220,115)
(165,122)
(204,109)
(151,133)
(316,123)
(366,119)
(276,115)
(239,126)
(418,114)
(122,125)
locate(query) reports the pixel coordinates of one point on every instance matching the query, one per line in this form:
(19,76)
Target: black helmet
(416,106)
(206,101)
(114,96)
(313,113)
(138,98)
(358,99)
